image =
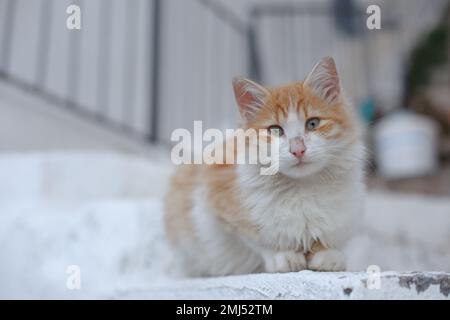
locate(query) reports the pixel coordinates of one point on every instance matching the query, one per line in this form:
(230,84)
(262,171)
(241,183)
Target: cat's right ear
(250,97)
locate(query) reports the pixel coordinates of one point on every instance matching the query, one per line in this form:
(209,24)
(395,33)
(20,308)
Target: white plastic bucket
(406,145)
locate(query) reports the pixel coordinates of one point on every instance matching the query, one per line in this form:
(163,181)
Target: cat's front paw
(288,261)
(327,260)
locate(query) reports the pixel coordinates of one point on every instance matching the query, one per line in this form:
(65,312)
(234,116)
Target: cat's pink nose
(297,147)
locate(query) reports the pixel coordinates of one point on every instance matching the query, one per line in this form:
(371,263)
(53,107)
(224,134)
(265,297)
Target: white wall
(30,124)
(201,55)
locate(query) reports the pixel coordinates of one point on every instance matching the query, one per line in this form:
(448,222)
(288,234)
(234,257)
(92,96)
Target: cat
(226,219)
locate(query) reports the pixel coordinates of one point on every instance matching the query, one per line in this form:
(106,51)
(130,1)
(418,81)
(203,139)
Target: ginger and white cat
(227,219)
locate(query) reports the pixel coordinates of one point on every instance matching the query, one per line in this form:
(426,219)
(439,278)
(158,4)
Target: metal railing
(113,71)
(287,40)
(55,62)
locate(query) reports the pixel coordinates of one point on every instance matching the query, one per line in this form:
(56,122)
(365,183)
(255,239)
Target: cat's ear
(250,97)
(323,81)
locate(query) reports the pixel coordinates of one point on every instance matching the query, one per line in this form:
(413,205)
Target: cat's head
(311,119)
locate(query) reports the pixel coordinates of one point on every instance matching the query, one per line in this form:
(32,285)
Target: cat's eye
(276,130)
(312,124)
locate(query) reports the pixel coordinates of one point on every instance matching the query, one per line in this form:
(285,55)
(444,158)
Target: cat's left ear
(250,97)
(323,80)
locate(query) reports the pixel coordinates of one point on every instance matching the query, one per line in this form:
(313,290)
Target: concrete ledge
(103,212)
(301,285)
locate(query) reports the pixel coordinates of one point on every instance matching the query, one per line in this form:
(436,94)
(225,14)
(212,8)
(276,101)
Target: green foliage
(430,53)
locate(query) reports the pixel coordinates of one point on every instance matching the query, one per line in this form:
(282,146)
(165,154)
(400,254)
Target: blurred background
(86,117)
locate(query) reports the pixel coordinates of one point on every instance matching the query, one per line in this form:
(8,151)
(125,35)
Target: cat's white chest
(293,219)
